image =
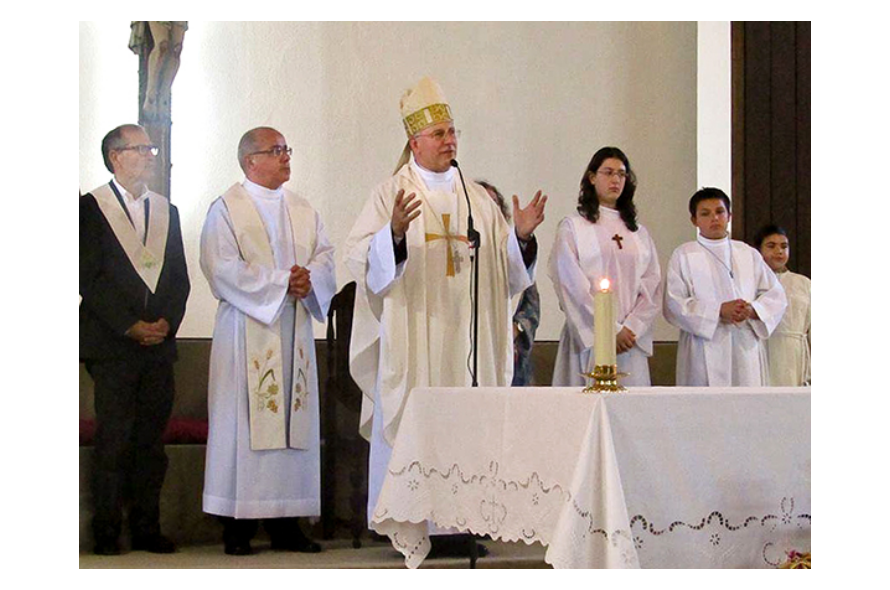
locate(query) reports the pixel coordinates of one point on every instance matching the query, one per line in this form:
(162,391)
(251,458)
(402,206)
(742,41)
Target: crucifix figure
(449,238)
(159,46)
(617,239)
(163,61)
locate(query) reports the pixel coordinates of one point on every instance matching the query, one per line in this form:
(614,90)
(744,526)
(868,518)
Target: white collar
(128,196)
(256,190)
(431,177)
(709,243)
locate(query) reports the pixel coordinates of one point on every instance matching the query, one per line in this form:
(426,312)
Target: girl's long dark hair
(588,203)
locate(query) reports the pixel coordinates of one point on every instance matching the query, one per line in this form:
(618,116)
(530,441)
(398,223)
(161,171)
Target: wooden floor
(335,554)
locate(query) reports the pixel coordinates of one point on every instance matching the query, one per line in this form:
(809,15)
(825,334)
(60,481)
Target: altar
(651,477)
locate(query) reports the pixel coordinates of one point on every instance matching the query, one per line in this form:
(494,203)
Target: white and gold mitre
(424,105)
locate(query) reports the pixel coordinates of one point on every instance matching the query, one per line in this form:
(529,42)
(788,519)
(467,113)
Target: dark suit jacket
(114,296)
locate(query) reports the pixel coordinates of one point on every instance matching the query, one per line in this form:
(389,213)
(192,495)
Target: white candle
(604,326)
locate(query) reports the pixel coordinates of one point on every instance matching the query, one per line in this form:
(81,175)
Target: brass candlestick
(605,378)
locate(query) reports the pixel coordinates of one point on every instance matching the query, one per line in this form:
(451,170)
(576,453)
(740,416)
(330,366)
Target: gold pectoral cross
(448,237)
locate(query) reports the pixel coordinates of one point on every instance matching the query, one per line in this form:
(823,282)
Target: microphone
(472,234)
(475,239)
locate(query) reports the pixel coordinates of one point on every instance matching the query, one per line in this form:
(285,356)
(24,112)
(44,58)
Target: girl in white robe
(788,348)
(604,240)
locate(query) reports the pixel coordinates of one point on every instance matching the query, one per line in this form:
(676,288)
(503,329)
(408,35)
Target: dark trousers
(134,398)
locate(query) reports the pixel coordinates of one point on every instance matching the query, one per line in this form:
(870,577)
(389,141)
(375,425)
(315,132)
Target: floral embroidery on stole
(265,376)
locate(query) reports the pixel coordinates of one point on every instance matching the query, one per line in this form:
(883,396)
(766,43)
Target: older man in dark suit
(134,286)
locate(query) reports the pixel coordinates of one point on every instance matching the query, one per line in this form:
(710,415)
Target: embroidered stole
(265,376)
(147,258)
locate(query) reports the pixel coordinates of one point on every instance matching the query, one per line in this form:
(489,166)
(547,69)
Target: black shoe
(296,542)
(156,543)
(286,535)
(106,547)
(238,548)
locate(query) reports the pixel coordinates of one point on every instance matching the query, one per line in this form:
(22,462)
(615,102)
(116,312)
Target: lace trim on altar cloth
(526,510)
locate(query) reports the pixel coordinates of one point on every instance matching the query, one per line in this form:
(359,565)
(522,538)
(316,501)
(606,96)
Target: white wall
(715,105)
(534,102)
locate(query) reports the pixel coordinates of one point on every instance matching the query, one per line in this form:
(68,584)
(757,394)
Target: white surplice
(412,321)
(701,276)
(239,482)
(789,346)
(584,253)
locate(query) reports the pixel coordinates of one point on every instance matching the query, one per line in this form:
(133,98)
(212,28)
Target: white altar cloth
(652,477)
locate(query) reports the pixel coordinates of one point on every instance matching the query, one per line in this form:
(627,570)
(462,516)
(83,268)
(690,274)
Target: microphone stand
(475,240)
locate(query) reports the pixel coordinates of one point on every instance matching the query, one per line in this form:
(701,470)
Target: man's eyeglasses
(143,150)
(276,151)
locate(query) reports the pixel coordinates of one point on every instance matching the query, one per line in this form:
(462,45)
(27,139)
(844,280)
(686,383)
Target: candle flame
(605,284)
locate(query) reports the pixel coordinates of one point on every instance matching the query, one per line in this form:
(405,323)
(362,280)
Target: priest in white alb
(724,299)
(410,256)
(269,263)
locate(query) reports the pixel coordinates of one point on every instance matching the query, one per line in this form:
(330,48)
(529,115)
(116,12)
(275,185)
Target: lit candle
(604,326)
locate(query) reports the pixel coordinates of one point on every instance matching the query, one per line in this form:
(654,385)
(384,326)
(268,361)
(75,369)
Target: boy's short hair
(708,193)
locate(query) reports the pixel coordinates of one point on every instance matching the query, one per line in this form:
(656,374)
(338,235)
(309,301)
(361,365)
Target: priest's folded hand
(300,282)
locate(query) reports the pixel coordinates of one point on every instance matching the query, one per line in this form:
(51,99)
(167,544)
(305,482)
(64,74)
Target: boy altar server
(725,300)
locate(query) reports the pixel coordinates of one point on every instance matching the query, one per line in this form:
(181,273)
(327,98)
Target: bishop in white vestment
(716,348)
(410,256)
(263,447)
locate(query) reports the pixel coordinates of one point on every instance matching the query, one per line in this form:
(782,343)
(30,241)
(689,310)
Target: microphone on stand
(475,239)
(472,234)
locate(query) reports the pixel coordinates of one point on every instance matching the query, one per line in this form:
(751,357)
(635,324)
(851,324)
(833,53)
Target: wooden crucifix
(617,239)
(159,46)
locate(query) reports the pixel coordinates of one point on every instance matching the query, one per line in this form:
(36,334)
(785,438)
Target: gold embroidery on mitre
(419,120)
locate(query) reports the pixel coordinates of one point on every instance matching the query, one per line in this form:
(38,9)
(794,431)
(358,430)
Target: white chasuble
(147,258)
(284,480)
(701,276)
(412,320)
